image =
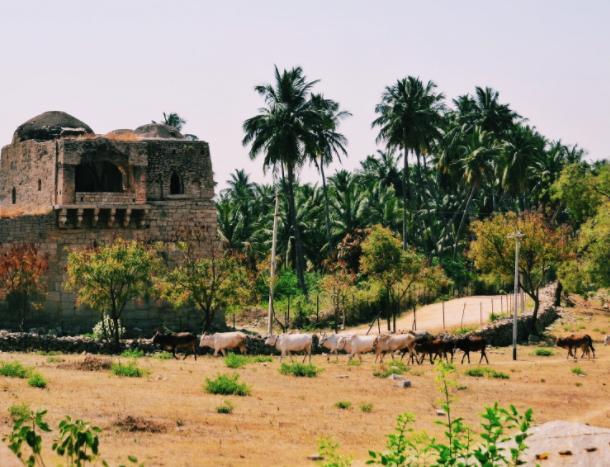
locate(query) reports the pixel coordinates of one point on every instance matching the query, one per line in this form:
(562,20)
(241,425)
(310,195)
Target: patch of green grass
(366,407)
(578,371)
(463,330)
(395,367)
(17,411)
(479,372)
(353,362)
(36,380)
(228,385)
(343,405)
(542,352)
(13,370)
(128,370)
(48,353)
(132,353)
(498,316)
(226,407)
(163,355)
(300,369)
(53,359)
(233,360)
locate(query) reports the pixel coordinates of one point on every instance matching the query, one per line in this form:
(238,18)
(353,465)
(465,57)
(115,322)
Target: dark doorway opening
(175,185)
(99,177)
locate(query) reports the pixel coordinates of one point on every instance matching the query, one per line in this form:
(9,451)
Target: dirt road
(467,311)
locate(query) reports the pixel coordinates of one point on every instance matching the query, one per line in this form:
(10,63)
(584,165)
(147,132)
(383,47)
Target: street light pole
(517,236)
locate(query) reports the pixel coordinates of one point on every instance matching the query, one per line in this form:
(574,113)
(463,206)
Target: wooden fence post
(443,314)
(481,312)
(462,320)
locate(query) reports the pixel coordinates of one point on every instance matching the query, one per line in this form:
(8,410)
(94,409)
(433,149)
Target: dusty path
(430,317)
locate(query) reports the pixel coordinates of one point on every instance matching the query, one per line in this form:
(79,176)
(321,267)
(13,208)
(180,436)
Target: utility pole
(272,265)
(517,236)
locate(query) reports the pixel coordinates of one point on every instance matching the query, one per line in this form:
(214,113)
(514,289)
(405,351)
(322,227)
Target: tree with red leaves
(22,270)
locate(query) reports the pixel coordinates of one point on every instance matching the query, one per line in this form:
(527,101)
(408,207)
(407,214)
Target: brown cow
(177,340)
(574,342)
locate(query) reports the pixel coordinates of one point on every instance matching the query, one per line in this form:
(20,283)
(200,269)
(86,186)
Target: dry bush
(90,363)
(138,424)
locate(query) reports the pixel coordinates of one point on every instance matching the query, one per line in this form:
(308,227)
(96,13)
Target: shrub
(36,380)
(328,451)
(543,352)
(343,405)
(354,362)
(395,367)
(226,408)
(489,372)
(53,359)
(498,316)
(228,385)
(366,407)
(133,353)
(129,370)
(106,324)
(300,369)
(463,330)
(475,372)
(13,370)
(233,360)
(17,411)
(163,355)
(578,371)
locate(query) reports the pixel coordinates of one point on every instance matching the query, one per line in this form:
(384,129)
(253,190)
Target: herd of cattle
(418,345)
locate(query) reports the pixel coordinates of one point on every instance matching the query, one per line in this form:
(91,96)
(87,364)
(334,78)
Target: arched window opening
(39,185)
(99,177)
(175,185)
(14,195)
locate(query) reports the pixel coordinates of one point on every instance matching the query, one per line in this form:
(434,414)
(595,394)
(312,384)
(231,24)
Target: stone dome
(158,131)
(51,125)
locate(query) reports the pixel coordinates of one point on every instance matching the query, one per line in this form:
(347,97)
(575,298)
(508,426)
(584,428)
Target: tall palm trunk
(461,226)
(406,195)
(326,208)
(298,243)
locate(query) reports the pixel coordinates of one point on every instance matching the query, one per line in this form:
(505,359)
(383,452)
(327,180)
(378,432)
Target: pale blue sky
(119,64)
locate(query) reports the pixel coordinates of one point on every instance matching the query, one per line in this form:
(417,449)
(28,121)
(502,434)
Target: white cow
(288,343)
(357,345)
(223,341)
(607,340)
(390,343)
(333,343)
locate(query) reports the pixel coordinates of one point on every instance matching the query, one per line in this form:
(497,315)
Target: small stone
(591,449)
(404,384)
(396,377)
(567,452)
(542,456)
(315,457)
(440,412)
(342,376)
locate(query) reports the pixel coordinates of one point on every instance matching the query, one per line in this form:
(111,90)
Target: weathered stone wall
(500,333)
(29,167)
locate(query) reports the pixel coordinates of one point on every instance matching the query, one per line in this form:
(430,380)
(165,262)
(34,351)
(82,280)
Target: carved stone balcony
(99,216)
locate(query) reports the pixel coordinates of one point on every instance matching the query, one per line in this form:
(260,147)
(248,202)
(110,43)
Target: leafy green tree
(542,249)
(410,117)
(393,268)
(210,282)
(174,120)
(108,277)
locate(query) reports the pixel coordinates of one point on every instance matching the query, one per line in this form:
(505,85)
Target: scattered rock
(542,456)
(396,377)
(567,452)
(592,449)
(440,412)
(404,384)
(315,457)
(138,424)
(342,376)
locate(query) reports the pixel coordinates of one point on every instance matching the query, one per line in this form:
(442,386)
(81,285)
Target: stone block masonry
(62,187)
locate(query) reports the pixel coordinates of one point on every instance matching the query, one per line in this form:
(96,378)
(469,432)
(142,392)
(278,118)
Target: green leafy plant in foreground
(36,380)
(13,370)
(77,444)
(331,458)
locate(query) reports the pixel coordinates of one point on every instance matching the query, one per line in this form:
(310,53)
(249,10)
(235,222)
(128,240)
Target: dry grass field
(283,418)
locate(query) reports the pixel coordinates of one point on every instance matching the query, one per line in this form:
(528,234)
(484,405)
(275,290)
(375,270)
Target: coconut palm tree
(330,144)
(174,120)
(410,116)
(283,131)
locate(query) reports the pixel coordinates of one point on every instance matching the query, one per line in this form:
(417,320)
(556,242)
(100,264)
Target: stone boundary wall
(500,333)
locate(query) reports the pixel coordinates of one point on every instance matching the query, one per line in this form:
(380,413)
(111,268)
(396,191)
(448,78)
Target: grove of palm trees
(444,164)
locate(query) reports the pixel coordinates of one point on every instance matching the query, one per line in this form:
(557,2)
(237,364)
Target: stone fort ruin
(62,187)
